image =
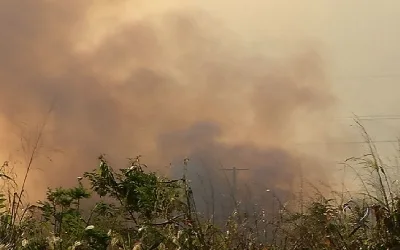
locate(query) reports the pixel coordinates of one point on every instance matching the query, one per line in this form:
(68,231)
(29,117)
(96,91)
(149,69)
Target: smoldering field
(167,86)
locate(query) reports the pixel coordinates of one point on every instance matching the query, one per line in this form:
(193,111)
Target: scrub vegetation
(132,208)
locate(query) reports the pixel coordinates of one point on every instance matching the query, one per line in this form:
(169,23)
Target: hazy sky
(359,41)
(222,71)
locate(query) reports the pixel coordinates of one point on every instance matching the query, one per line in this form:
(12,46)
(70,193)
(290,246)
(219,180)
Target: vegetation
(130,208)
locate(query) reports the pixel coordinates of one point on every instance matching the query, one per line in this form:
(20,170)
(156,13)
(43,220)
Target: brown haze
(166,85)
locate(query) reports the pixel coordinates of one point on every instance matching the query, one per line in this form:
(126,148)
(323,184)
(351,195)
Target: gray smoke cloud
(165,86)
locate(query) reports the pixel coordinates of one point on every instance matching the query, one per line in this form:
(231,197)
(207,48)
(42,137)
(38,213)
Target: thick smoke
(166,86)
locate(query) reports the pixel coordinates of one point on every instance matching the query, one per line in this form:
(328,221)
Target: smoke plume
(165,85)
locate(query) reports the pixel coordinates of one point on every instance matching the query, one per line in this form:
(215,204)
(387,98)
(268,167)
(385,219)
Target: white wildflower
(25,242)
(91,227)
(138,246)
(76,244)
